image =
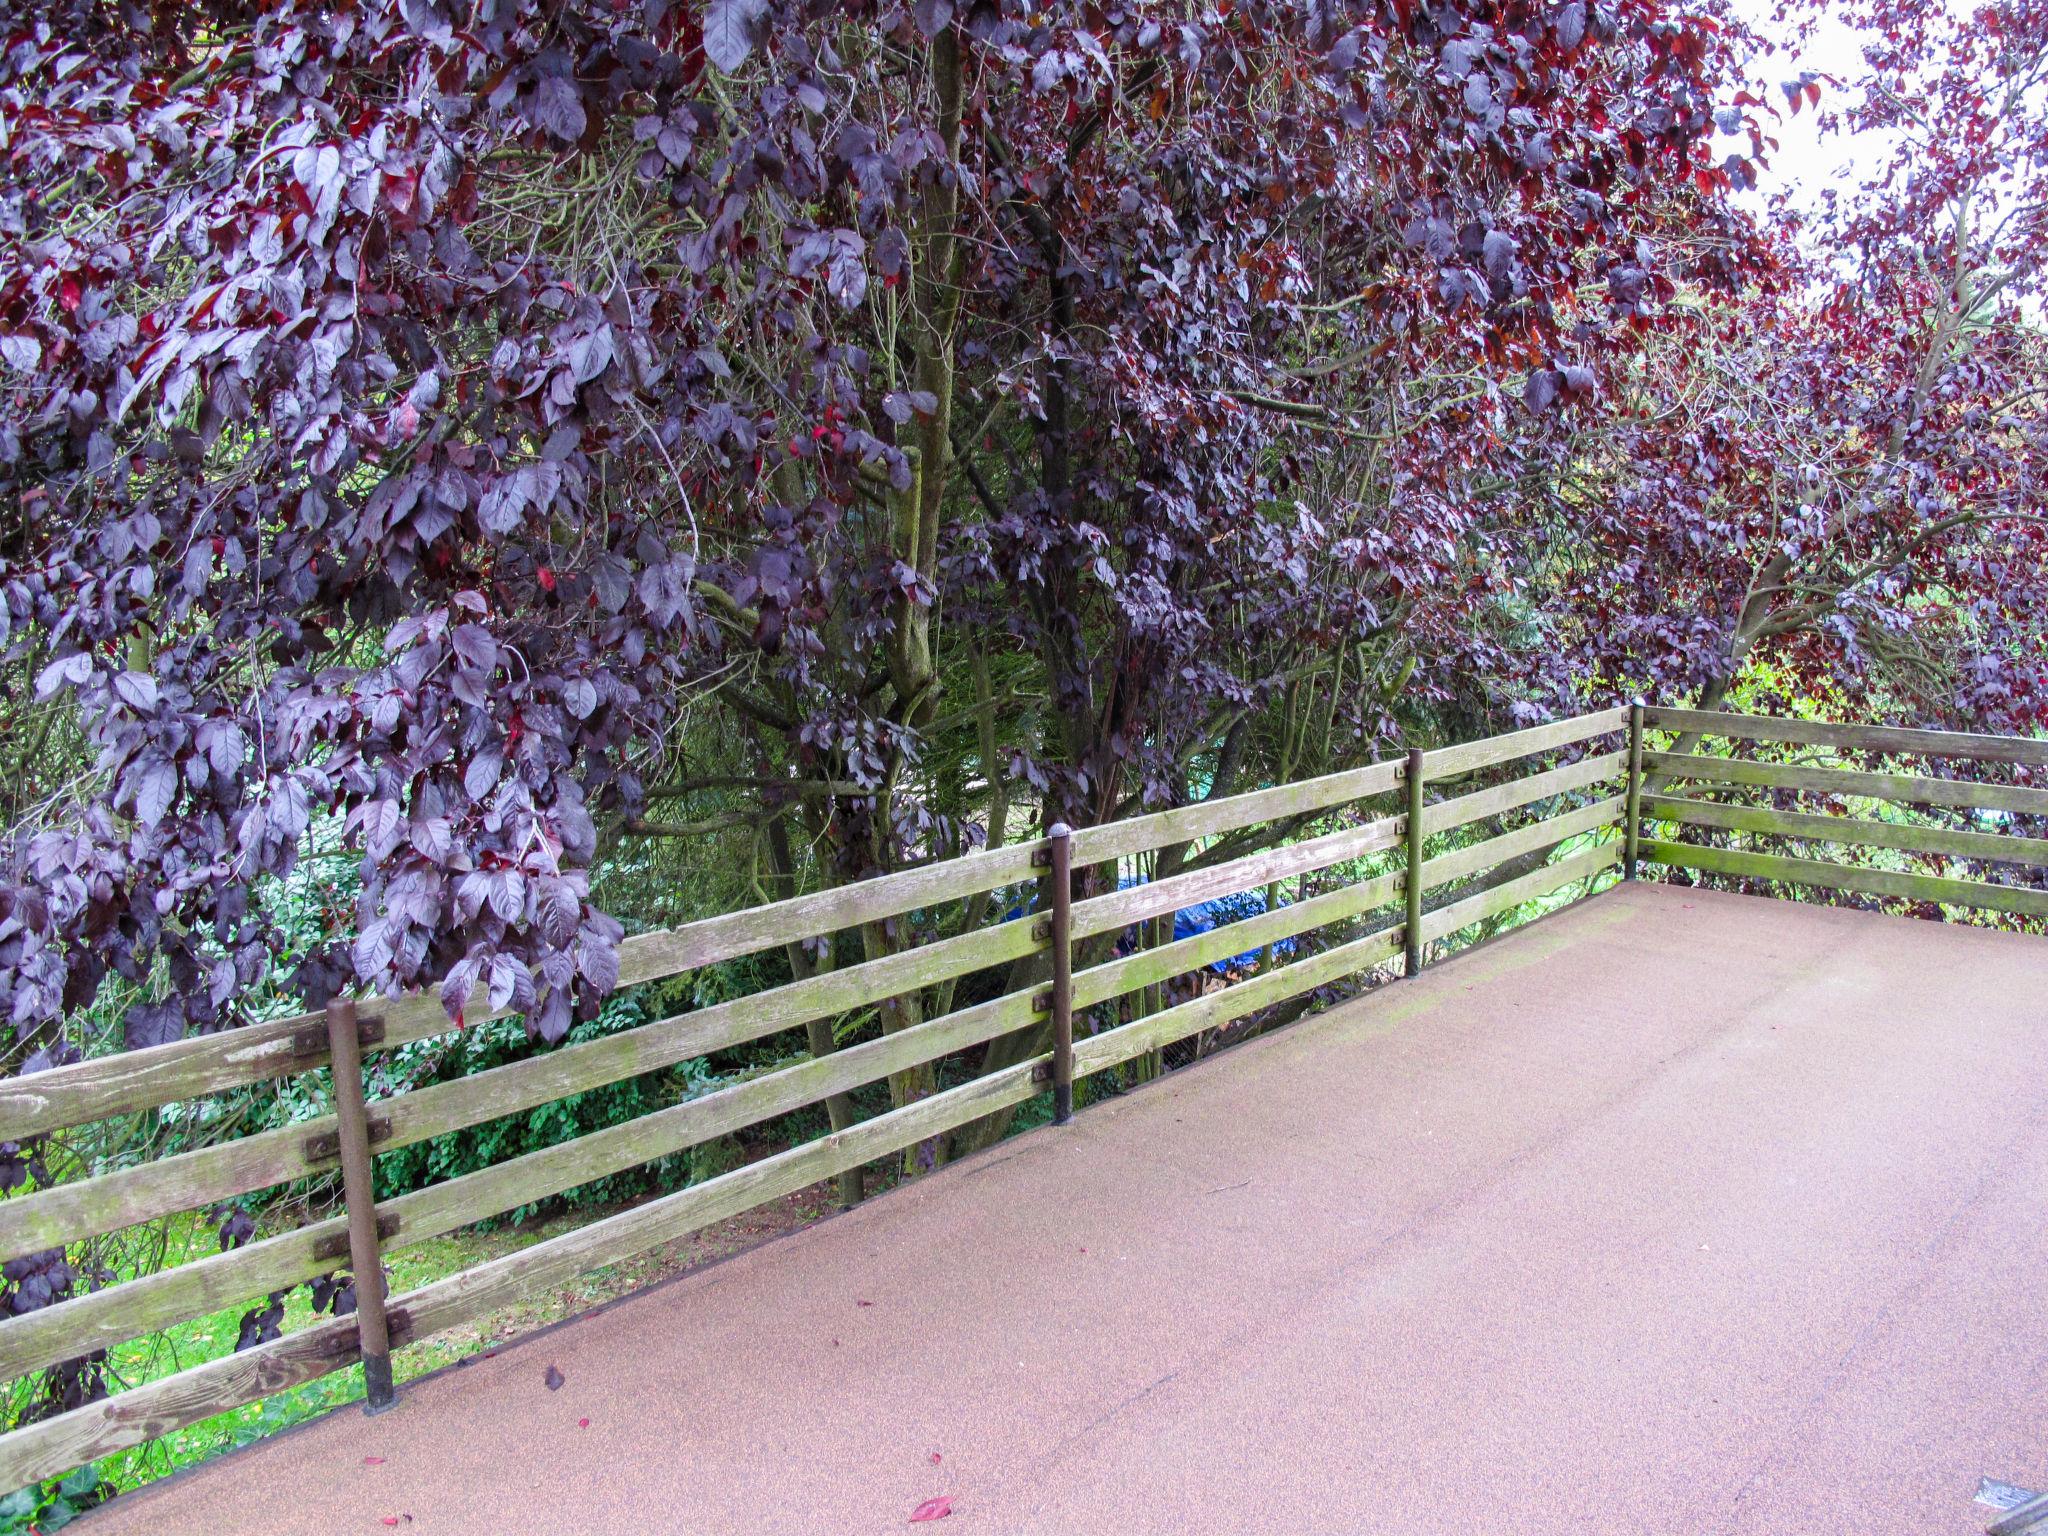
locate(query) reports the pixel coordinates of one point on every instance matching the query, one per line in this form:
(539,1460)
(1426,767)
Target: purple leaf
(154,784)
(67,671)
(483,773)
(154,1024)
(579,697)
(729,27)
(557,108)
(476,646)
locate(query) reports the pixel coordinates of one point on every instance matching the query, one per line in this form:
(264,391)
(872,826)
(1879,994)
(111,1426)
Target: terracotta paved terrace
(1674,1213)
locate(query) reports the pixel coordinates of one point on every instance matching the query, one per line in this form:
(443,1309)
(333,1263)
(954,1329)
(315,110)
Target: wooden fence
(1691,790)
(142,1080)
(1589,783)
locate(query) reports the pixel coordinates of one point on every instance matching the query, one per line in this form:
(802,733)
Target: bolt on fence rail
(1475,782)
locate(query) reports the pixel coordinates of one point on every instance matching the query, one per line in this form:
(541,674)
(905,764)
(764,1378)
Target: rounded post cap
(1059,829)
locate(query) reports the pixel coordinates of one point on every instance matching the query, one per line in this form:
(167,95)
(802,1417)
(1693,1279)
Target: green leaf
(80,1484)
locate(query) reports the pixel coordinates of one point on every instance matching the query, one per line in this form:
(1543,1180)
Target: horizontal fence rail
(1687,792)
(1559,791)
(1857,738)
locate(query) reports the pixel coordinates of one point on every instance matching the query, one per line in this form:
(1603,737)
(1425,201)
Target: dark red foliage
(344,492)
(1841,472)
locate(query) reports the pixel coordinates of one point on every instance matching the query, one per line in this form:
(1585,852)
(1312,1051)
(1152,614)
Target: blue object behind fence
(1223,911)
(1202,917)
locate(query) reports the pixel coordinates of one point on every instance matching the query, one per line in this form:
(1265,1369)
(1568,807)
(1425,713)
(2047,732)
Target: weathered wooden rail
(1692,783)
(1595,786)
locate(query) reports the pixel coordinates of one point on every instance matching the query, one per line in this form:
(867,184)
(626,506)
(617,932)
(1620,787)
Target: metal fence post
(1633,816)
(373,1335)
(1062,846)
(1411,933)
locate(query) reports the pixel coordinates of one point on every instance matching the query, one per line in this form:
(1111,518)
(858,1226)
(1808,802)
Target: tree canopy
(512,434)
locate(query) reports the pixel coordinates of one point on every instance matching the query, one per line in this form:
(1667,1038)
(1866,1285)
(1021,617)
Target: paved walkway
(1677,1213)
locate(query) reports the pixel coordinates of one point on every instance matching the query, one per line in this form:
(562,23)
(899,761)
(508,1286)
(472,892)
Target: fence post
(1633,815)
(373,1336)
(1411,932)
(1061,844)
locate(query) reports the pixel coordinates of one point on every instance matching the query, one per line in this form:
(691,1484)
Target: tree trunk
(839,1111)
(913,1083)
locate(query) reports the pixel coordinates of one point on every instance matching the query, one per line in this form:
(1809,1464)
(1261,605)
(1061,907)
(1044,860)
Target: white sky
(1807,161)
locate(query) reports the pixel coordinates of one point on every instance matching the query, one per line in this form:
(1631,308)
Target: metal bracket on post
(336,1245)
(352,1116)
(1633,816)
(1411,932)
(323,1145)
(1061,846)
(309,1045)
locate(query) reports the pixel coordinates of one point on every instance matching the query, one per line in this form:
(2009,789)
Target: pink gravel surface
(1677,1212)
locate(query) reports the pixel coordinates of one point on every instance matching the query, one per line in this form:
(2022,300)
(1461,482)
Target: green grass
(214,1337)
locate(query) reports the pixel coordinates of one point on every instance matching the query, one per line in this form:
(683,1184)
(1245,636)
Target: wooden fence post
(1062,846)
(1412,932)
(373,1336)
(1633,816)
